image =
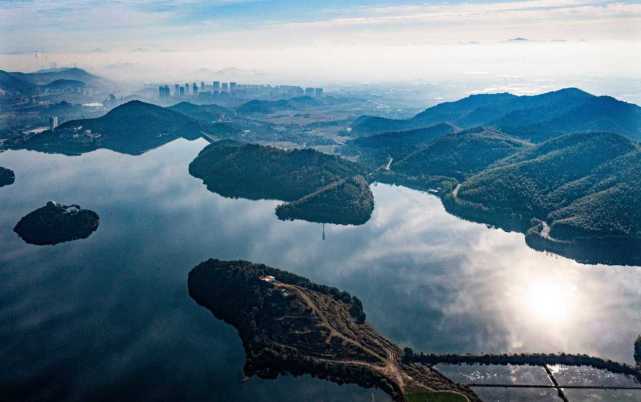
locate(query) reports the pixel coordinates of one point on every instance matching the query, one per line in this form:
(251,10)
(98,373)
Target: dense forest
(377,149)
(251,171)
(320,187)
(131,128)
(7,176)
(576,194)
(535,118)
(459,155)
(348,202)
(581,184)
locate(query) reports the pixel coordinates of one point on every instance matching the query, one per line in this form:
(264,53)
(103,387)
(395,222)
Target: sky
(325,40)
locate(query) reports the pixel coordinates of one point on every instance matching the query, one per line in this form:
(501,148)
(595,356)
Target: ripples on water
(109,317)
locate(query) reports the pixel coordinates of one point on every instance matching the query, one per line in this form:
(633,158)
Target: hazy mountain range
(535,118)
(29,83)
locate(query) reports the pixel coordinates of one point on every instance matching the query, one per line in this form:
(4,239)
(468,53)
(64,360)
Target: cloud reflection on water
(116,304)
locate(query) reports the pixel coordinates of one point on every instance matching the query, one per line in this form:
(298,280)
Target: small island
(56,223)
(289,325)
(7,176)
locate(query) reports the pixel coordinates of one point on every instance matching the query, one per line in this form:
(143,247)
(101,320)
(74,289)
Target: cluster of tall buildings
(241,90)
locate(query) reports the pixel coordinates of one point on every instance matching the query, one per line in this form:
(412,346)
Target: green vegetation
(435,397)
(202,113)
(56,223)
(7,176)
(273,106)
(576,195)
(535,118)
(322,188)
(637,351)
(235,169)
(350,202)
(459,155)
(290,325)
(377,149)
(132,128)
(582,184)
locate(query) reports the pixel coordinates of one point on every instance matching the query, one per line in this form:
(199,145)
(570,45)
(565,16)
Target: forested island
(7,176)
(289,325)
(56,223)
(317,186)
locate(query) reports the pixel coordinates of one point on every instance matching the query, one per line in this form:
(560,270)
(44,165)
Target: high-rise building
(232,86)
(216,86)
(163,91)
(318,91)
(182,91)
(202,85)
(176,90)
(186,88)
(309,91)
(225,87)
(194,89)
(53,122)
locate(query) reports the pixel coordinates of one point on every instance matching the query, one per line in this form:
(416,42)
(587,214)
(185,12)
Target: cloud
(391,40)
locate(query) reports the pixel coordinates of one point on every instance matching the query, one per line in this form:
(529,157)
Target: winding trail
(389,366)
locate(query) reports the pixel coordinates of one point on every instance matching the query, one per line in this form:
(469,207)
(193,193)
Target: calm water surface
(109,317)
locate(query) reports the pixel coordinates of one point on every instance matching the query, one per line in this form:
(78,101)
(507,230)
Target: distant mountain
(44,77)
(11,84)
(597,114)
(236,169)
(377,149)
(63,84)
(273,106)
(30,83)
(577,195)
(459,155)
(203,113)
(348,202)
(320,187)
(132,128)
(535,118)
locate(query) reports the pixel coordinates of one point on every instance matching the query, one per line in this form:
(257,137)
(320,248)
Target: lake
(109,317)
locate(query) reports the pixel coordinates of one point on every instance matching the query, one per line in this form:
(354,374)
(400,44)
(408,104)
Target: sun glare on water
(549,301)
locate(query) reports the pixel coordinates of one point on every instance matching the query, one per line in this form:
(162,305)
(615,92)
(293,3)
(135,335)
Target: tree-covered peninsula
(289,325)
(318,187)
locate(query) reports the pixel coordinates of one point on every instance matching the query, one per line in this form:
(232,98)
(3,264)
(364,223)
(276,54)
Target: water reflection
(109,316)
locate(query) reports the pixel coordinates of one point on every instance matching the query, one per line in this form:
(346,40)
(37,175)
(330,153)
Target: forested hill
(459,155)
(252,171)
(583,187)
(203,113)
(377,149)
(131,128)
(138,119)
(536,118)
(320,187)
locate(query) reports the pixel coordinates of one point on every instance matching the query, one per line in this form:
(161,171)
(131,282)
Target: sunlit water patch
(109,317)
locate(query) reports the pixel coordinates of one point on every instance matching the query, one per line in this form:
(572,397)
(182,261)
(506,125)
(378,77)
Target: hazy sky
(325,39)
